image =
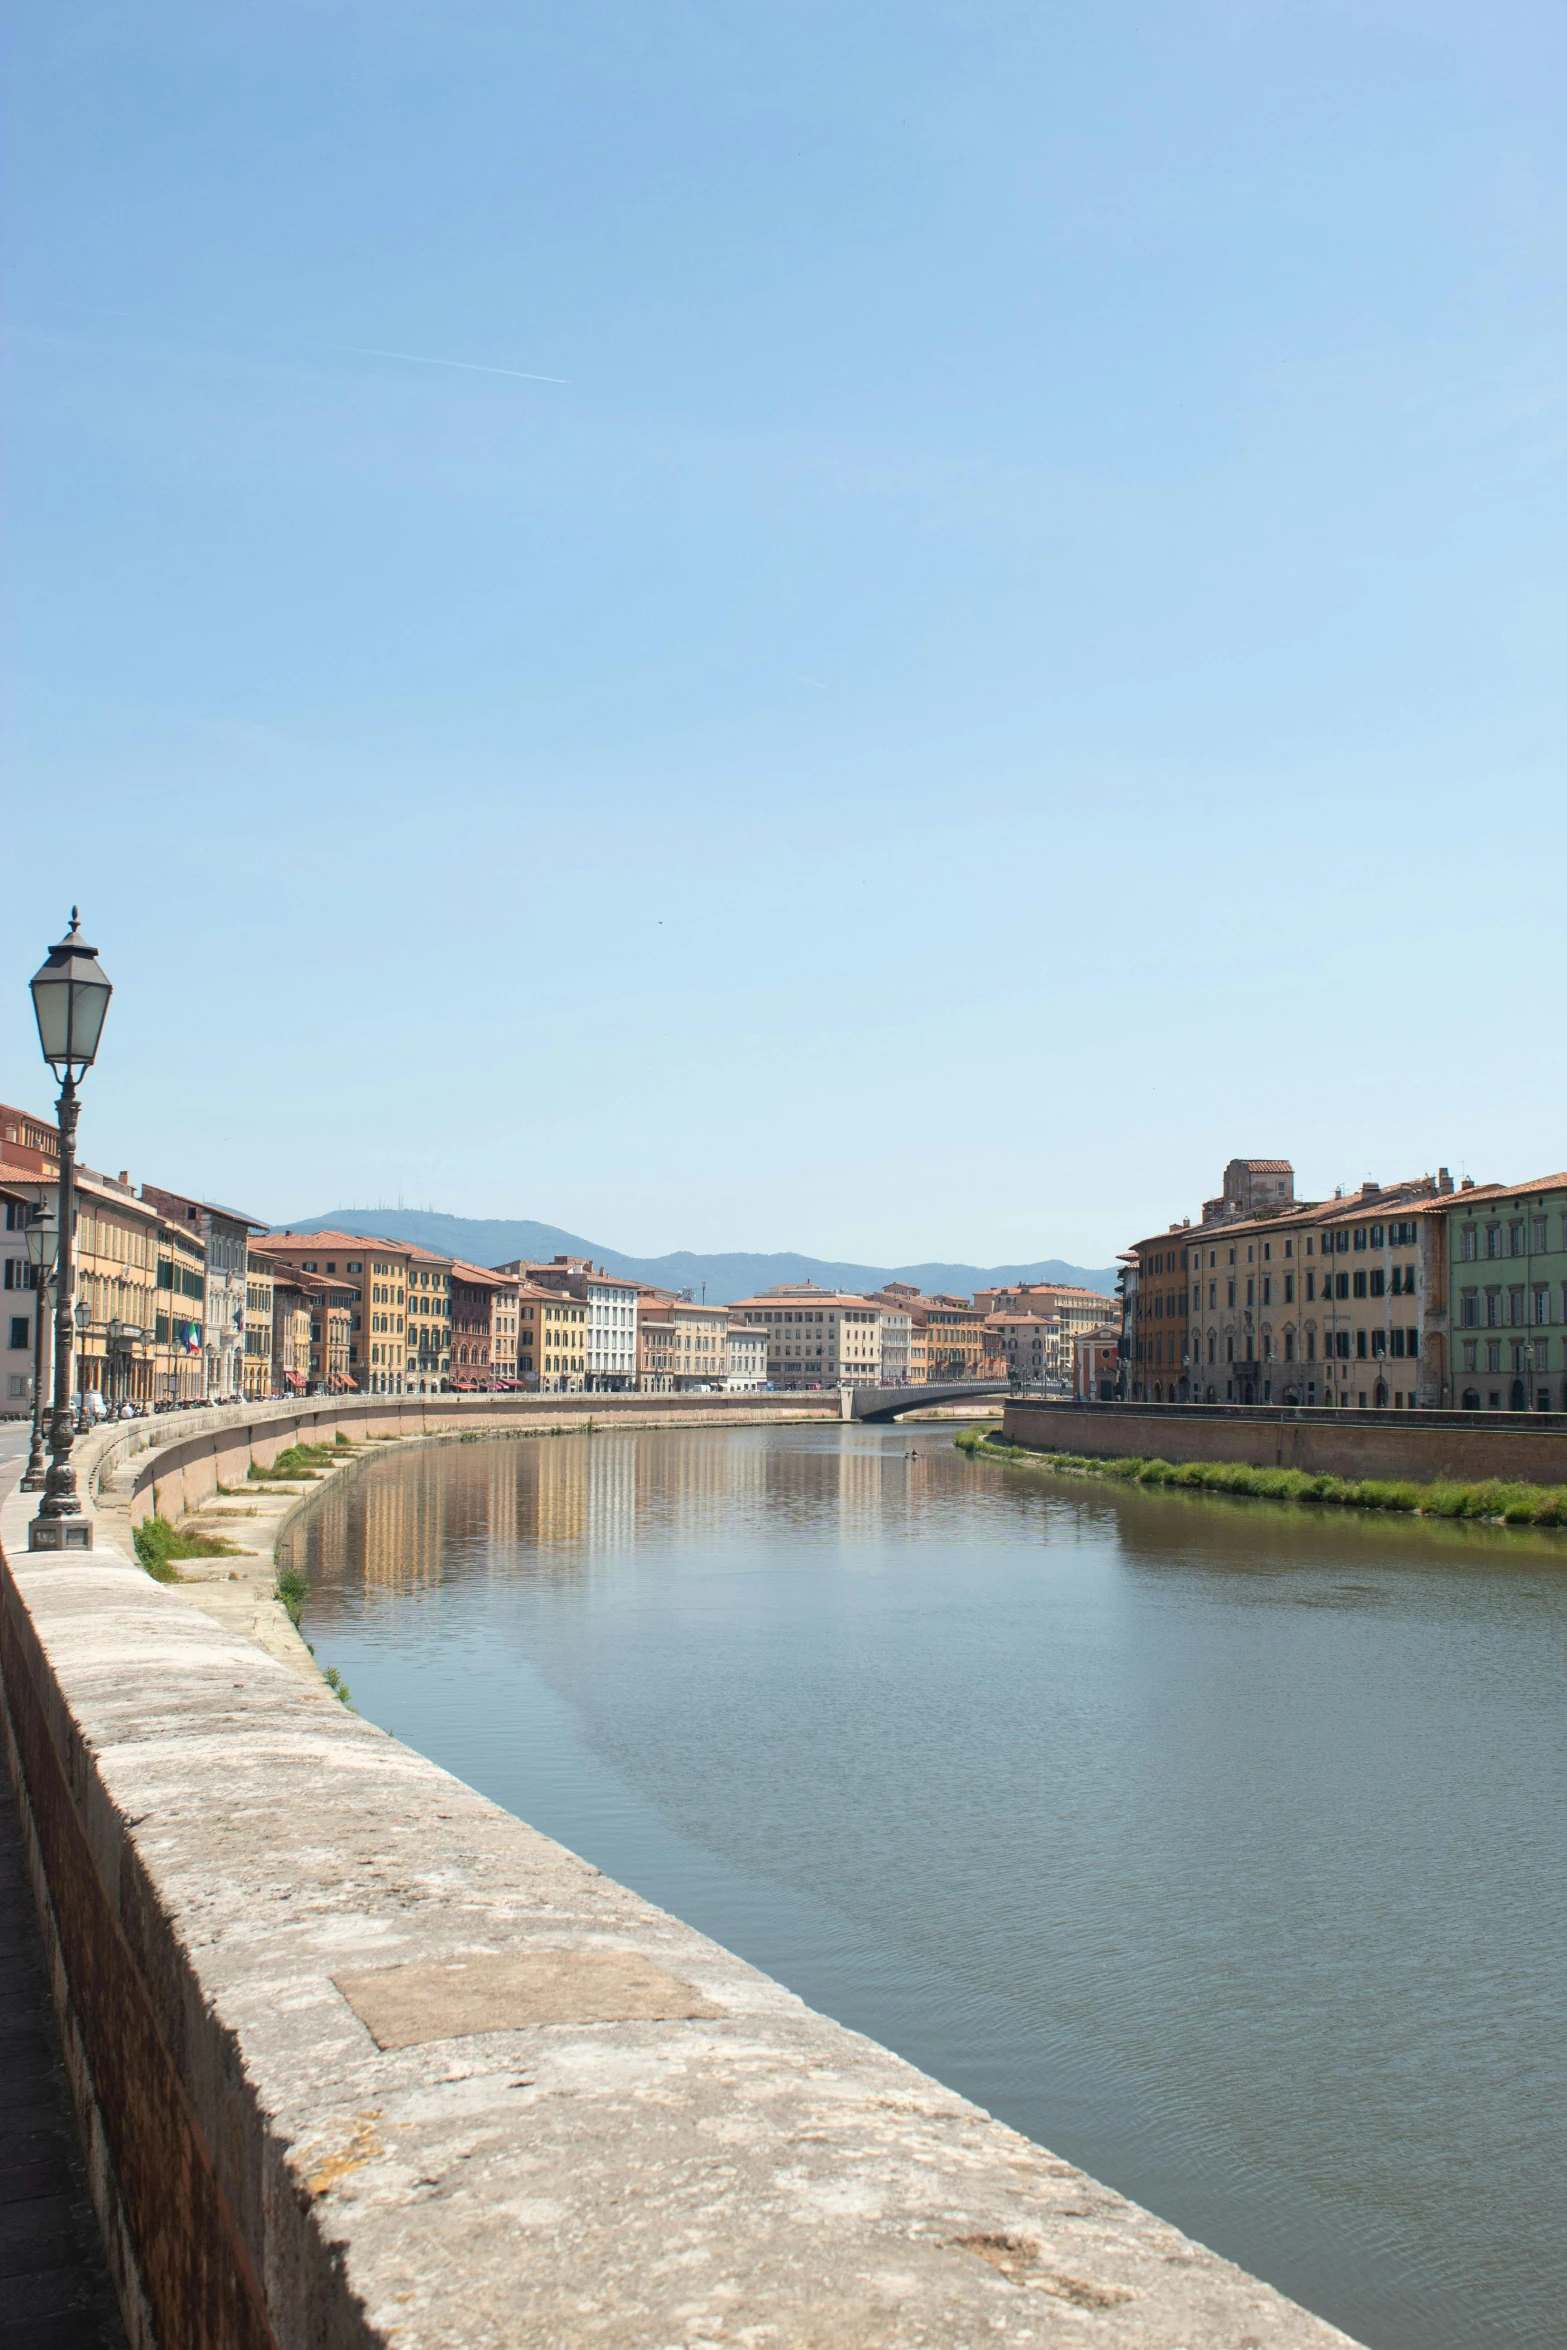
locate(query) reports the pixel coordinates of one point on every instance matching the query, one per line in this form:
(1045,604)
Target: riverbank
(1492,1501)
(424,2076)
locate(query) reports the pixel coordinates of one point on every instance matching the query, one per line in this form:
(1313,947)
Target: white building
(747,1358)
(896,1334)
(609,1354)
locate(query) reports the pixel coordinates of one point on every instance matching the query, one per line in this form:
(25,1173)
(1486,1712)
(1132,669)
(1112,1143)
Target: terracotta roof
(367,1242)
(1488,1193)
(477,1276)
(775,1301)
(1268,1166)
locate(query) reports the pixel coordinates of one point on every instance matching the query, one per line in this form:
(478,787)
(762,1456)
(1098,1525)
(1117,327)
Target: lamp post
(43,1238)
(70,997)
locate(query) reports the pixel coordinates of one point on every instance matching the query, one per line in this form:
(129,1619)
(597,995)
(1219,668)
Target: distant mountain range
(741,1273)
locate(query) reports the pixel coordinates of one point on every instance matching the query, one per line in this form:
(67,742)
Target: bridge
(887,1403)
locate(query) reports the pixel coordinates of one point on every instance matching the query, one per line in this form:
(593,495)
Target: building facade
(1063,1302)
(747,1358)
(1032,1350)
(225,1236)
(1096,1364)
(818,1337)
(484,1326)
(291,1319)
(1501,1276)
(609,1353)
(258,1331)
(682,1345)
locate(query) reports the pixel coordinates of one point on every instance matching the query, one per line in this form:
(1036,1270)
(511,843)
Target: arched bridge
(885,1403)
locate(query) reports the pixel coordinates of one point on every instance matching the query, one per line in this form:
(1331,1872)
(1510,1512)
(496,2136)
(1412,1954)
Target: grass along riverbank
(1495,1499)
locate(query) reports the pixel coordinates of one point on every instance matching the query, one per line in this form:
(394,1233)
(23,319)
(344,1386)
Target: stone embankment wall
(1465,1447)
(363,2060)
(173,1464)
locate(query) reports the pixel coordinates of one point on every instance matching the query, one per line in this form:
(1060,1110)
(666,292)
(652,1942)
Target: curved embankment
(362,2059)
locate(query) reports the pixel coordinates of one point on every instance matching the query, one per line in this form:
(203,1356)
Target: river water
(1220,1846)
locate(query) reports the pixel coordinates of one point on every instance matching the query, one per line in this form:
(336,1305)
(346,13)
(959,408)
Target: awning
(296,1380)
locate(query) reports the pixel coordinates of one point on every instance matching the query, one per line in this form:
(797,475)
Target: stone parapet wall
(1427,1447)
(363,2060)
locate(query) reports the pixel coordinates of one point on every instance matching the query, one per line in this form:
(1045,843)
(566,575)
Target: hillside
(724,1276)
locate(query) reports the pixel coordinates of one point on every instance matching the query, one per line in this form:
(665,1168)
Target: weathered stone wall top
(377,2063)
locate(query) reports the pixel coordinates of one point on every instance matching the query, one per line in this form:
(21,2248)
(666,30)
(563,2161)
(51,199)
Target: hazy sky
(1021,656)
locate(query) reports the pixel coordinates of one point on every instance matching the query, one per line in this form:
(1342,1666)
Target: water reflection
(1216,1843)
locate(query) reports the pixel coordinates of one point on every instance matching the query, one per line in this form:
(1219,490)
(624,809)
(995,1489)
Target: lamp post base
(60,1533)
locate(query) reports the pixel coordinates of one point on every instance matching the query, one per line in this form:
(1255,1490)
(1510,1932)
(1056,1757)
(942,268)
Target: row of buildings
(179,1300)
(1422,1293)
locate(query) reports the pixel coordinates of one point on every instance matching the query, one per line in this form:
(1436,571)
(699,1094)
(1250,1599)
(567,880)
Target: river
(1220,1846)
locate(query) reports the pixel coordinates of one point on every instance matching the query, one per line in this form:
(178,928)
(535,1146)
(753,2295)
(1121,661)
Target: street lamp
(70,997)
(43,1238)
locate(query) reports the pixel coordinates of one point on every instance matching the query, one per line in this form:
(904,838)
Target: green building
(1507,1296)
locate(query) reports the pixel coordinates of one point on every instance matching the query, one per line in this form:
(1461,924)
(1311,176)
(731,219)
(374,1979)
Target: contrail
(469,366)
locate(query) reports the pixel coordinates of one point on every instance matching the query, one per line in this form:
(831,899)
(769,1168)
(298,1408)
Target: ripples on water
(1219,1846)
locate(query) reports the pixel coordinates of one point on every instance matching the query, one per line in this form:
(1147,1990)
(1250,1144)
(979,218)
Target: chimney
(1370,1189)
(125,1177)
(1467,1184)
(1444,1181)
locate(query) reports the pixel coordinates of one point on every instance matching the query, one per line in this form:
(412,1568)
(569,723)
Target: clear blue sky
(1023,657)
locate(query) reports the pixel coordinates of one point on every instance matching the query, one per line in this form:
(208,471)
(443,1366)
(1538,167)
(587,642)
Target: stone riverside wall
(173,1463)
(363,2060)
(1465,1447)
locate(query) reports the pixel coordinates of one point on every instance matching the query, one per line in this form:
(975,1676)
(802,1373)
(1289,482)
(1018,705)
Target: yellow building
(179,1367)
(258,1332)
(115,1256)
(681,1345)
(562,1326)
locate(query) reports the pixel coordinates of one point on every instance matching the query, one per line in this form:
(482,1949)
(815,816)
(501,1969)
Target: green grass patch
(299,1463)
(1493,1499)
(292,1590)
(338,1686)
(159,1545)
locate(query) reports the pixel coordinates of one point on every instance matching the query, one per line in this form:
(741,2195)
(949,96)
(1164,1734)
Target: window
(1471,1349)
(1515,1307)
(1341,1285)
(1396,1338)
(1542,1305)
(1493,1240)
(1467,1248)
(1377,1236)
(1493,1309)
(1311,1287)
(1515,1240)
(1289,1289)
(1360,1344)
(1360,1236)
(1538,1239)
(1213,1293)
(1360,1280)
(1378,1281)
(1230,1286)
(1469,1310)
(1267,1289)
(1379,1342)
(1251,1290)
(21,1331)
(1412,1340)
(1341,1241)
